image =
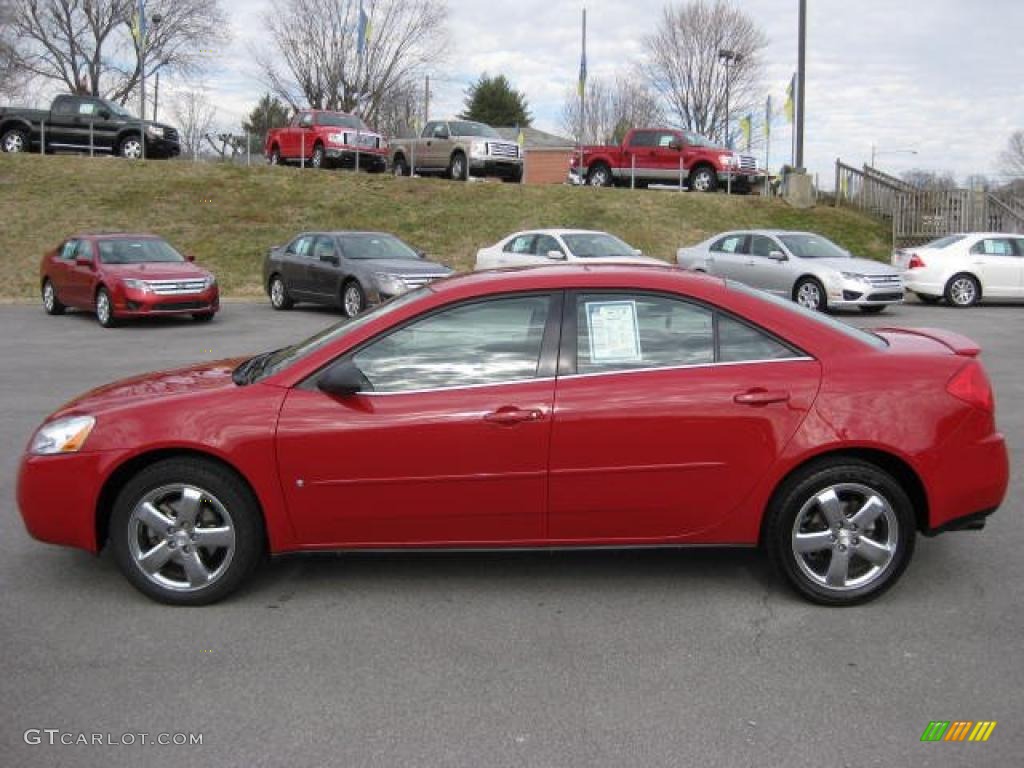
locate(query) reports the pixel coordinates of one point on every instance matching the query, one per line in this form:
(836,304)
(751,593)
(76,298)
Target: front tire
(810,293)
(275,156)
(458,170)
(279,298)
(105,309)
(703,179)
(353,299)
(963,290)
(317,160)
(14,141)
(51,303)
(841,531)
(186,531)
(131,148)
(400,167)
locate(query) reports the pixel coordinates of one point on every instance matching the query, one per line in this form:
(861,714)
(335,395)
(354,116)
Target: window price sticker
(613,332)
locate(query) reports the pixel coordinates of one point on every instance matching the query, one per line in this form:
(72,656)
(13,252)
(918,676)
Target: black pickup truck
(72,122)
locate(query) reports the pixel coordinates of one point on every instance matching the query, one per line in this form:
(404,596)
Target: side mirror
(105,114)
(777,256)
(190,257)
(344,380)
(83,261)
(557,255)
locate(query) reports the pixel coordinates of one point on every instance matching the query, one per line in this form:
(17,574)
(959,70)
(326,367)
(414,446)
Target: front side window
(619,332)
(324,248)
(546,243)
(763,246)
(487,342)
(992,246)
(86,108)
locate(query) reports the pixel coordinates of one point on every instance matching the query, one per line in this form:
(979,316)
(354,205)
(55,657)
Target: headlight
(66,435)
(478,148)
(337,138)
(210,281)
(136,285)
(392,285)
(727,160)
(155,131)
(853,276)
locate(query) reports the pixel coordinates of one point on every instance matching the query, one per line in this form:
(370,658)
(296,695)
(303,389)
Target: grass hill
(227,216)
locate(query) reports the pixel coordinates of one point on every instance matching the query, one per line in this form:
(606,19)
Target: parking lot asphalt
(523,659)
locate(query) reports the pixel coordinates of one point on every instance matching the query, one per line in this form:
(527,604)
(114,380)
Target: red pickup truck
(662,155)
(324,139)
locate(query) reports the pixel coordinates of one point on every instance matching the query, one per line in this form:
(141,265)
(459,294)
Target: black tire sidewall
(790,498)
(222,483)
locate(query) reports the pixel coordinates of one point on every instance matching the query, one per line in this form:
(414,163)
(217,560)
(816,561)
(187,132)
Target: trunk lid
(954,342)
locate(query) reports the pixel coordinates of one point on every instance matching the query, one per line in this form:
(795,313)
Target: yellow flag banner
(747,129)
(790,94)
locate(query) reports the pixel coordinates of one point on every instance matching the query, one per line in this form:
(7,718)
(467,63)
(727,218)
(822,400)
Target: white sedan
(551,246)
(964,269)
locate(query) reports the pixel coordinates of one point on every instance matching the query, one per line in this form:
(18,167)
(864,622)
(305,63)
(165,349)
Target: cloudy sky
(939,77)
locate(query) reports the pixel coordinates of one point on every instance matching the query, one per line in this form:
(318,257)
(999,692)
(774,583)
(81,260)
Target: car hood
(405,266)
(157,270)
(181,381)
(855,264)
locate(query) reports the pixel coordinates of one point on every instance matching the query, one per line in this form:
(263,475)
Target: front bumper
(855,293)
(505,168)
(369,159)
(130,302)
(162,148)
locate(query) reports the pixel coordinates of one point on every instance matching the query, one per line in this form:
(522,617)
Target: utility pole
(730,58)
(142,83)
(426,102)
(801,78)
(156,96)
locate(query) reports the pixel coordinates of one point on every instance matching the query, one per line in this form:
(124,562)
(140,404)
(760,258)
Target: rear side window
(730,244)
(620,332)
(487,342)
(67,251)
(521,244)
(739,342)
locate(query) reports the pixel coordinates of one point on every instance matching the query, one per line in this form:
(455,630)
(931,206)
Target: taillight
(916,262)
(971,385)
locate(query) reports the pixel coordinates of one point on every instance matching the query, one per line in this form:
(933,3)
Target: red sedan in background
(550,407)
(121,276)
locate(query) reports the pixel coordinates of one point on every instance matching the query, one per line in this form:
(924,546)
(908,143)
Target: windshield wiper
(253,368)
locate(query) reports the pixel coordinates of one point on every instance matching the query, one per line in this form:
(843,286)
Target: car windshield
(696,140)
(811,315)
(465,128)
(339,120)
(116,109)
(597,245)
(372,246)
(141,251)
(813,247)
(270,363)
(944,242)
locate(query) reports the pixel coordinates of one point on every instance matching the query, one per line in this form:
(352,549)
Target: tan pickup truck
(457,149)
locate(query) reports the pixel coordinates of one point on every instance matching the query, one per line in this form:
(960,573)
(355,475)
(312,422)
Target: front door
(768,267)
(448,445)
(663,425)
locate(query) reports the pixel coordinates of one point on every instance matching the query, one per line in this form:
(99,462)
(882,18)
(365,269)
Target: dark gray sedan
(351,270)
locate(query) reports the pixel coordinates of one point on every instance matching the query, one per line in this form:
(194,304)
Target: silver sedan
(802,266)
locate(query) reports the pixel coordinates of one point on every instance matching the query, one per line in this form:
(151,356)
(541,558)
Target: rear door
(519,251)
(667,414)
(294,261)
(81,277)
(62,127)
(997,264)
(58,269)
(642,150)
(727,256)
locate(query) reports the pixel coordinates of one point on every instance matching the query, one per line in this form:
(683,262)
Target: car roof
(559,232)
(555,276)
(117,236)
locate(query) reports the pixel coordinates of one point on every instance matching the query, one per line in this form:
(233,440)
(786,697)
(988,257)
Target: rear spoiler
(955,342)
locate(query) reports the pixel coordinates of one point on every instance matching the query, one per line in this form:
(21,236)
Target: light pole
(729,58)
(143,34)
(875,151)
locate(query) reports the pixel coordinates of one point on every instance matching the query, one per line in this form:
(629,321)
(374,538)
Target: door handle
(761,397)
(507,417)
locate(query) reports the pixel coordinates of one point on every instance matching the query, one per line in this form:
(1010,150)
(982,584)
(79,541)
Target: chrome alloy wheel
(353,300)
(49,297)
(14,142)
(131,149)
(845,537)
(103,307)
(600,177)
(181,537)
(277,292)
(963,291)
(809,295)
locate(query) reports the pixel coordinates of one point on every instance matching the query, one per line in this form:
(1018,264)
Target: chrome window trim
(589,375)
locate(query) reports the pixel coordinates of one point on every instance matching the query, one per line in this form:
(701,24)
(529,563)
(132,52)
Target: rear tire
(963,290)
(105,309)
(166,512)
(840,531)
(51,303)
(279,298)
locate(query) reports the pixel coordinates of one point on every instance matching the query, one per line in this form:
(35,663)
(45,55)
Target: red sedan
(125,276)
(551,407)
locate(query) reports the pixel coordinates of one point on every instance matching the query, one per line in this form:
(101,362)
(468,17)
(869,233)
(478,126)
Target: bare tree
(1013,156)
(195,116)
(89,45)
(11,76)
(611,110)
(683,63)
(318,62)
(929,180)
